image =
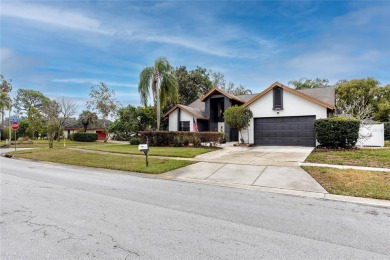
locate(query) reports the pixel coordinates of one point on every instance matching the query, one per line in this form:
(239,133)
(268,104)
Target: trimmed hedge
(165,138)
(387,131)
(337,132)
(84,137)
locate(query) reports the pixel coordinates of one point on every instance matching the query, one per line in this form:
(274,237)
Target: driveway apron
(271,167)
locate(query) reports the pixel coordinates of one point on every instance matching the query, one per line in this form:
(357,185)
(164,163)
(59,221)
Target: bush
(135,140)
(337,132)
(71,137)
(85,137)
(165,138)
(387,131)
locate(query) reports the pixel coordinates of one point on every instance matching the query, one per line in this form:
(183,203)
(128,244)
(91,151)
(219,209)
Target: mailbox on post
(144,148)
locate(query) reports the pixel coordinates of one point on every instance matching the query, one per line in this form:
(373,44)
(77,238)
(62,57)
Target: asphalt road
(51,211)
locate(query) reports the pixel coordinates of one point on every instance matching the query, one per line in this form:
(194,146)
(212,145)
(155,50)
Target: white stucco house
(281,115)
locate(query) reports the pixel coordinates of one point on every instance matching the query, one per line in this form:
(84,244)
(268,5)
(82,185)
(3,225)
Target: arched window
(278,98)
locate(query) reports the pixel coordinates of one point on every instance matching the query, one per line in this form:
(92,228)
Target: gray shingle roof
(326,94)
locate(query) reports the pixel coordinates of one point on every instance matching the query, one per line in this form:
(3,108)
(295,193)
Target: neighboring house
(73,126)
(281,115)
(71,130)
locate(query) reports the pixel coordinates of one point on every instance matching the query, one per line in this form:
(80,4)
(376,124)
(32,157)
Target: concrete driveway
(260,155)
(271,167)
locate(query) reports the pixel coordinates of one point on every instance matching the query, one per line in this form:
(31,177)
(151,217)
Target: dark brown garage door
(285,131)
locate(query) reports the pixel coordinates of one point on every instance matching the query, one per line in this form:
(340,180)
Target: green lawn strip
(56,144)
(359,157)
(349,182)
(185,152)
(106,161)
(387,143)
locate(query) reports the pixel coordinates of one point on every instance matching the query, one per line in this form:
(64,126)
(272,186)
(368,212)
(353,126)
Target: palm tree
(161,81)
(87,118)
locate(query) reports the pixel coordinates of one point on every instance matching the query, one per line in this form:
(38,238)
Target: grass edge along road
(185,152)
(105,161)
(350,182)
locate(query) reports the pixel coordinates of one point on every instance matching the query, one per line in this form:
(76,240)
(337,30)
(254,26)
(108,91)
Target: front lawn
(45,143)
(107,161)
(358,157)
(387,143)
(351,182)
(185,152)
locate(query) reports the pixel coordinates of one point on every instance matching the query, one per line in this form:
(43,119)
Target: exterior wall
(184,116)
(293,105)
(173,120)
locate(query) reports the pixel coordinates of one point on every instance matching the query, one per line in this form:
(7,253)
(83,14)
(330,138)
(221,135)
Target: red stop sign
(15,125)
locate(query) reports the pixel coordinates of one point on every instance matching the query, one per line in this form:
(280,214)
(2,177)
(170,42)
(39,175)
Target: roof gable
(220,91)
(296,92)
(195,112)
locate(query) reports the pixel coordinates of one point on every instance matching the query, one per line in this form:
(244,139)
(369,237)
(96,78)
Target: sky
(63,48)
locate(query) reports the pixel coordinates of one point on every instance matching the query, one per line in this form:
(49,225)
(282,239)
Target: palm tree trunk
(158,106)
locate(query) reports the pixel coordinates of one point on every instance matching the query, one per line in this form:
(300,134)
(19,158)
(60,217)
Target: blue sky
(62,48)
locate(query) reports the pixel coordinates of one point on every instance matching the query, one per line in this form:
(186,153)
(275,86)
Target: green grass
(387,143)
(349,182)
(358,157)
(106,161)
(56,144)
(185,152)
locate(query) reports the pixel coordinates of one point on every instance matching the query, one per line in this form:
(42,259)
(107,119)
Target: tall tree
(218,80)
(87,118)
(67,108)
(104,102)
(35,120)
(237,90)
(383,104)
(5,100)
(192,84)
(358,97)
(27,98)
(51,111)
(132,120)
(305,83)
(160,80)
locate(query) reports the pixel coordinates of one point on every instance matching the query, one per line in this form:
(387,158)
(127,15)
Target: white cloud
(94,82)
(332,64)
(229,42)
(52,16)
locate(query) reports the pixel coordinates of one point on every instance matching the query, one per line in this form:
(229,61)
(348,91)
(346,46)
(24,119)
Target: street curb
(361,168)
(316,195)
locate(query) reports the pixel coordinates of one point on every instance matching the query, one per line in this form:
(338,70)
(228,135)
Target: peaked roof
(226,94)
(325,94)
(296,92)
(195,112)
